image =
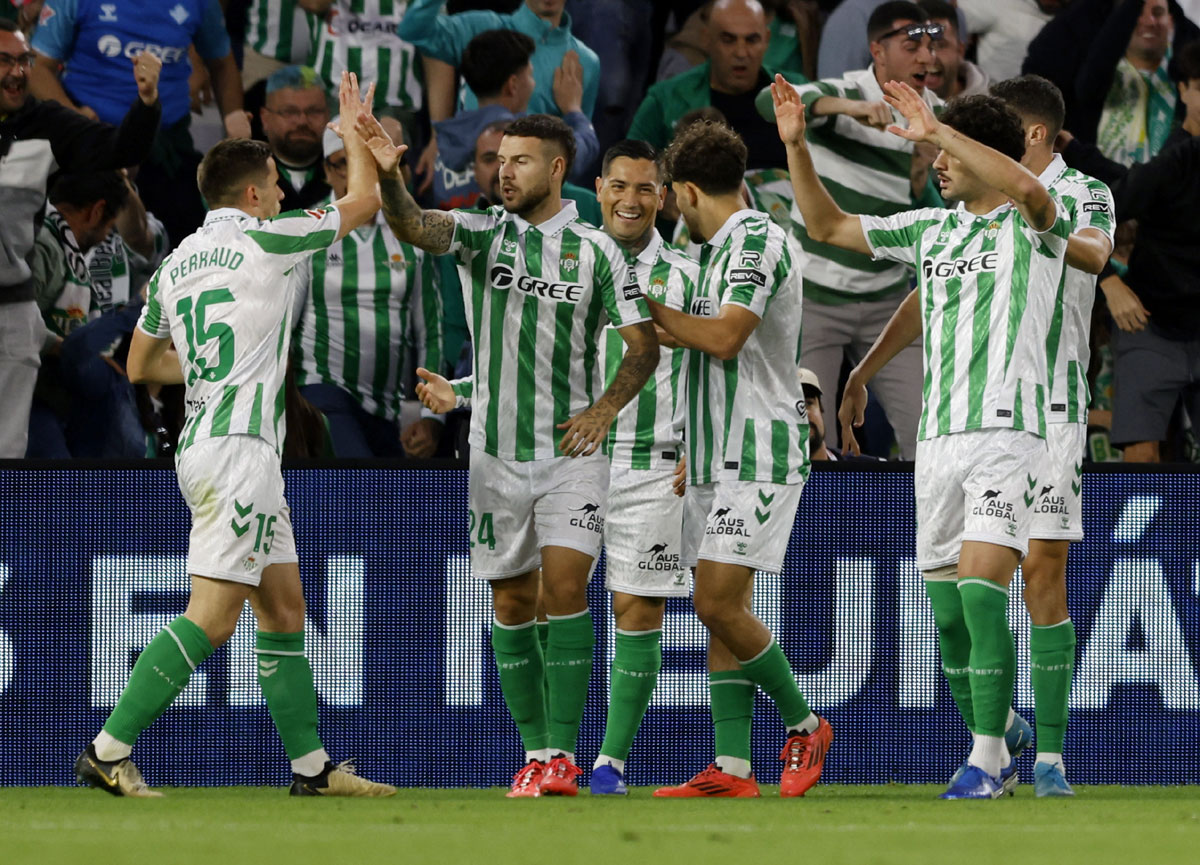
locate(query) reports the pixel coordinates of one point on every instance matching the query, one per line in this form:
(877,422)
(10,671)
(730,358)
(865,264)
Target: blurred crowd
(105,108)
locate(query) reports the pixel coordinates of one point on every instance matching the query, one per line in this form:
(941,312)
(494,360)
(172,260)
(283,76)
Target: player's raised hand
(850,415)
(387,154)
(922,125)
(789,111)
(586,431)
(146,69)
(435,392)
(679,479)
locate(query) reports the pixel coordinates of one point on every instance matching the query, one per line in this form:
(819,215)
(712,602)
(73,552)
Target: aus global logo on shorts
(658,558)
(588,518)
(721,523)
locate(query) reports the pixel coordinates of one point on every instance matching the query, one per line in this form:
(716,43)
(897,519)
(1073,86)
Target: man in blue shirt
(94,42)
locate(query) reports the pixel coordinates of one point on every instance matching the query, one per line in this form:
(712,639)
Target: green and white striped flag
(224,297)
(281,30)
(1089,204)
(648,431)
(988,286)
(746,419)
(368,302)
(360,36)
(537,300)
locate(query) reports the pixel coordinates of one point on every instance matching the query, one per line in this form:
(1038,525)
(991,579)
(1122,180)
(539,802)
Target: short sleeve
(896,237)
(473,231)
(750,274)
(212,39)
(1095,209)
(291,237)
(617,285)
(152,320)
(464,390)
(55,33)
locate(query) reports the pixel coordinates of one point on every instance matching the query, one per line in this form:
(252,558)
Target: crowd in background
(98,178)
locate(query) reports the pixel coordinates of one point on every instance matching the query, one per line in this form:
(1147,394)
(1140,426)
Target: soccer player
(747,438)
(368,302)
(1058,515)
(540,286)
(223,298)
(988,273)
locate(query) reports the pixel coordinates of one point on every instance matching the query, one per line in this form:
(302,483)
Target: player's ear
(662,196)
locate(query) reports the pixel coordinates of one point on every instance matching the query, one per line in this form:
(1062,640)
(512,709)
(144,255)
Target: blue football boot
(974,784)
(1048,780)
(607,781)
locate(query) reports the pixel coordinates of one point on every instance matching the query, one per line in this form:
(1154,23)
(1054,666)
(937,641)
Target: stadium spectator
(1005,28)
(849,297)
(278,33)
(844,43)
(729,81)
(445,38)
(93,42)
(819,449)
(360,36)
(951,73)
(36,138)
(496,66)
(1156,304)
(293,120)
(364,304)
(23,13)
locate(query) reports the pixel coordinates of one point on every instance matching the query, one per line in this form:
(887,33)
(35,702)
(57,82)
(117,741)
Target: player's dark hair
(1185,66)
(547,128)
(988,120)
(631,148)
(492,57)
(229,166)
(710,155)
(699,115)
(884,17)
(1035,97)
(83,189)
(940,10)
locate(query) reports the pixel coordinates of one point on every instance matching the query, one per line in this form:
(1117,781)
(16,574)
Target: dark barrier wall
(92,564)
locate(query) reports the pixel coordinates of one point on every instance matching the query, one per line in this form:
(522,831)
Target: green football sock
(771,671)
(635,666)
(568,669)
(522,673)
(286,679)
(543,634)
(954,640)
(731,698)
(1051,661)
(159,676)
(993,653)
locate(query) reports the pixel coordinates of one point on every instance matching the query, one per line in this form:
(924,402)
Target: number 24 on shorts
(487,533)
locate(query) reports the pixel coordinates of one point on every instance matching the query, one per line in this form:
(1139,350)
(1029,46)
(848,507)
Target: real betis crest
(568,263)
(992,230)
(396,262)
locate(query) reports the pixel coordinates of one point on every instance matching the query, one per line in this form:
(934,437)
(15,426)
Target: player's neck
(548,208)
(717,213)
(1038,158)
(986,202)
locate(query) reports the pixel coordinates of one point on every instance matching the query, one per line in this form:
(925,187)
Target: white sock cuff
(759,655)
(980,581)
(734,766)
(310,764)
(1066,621)
(582,612)
(499,624)
(602,760)
(110,748)
(625,633)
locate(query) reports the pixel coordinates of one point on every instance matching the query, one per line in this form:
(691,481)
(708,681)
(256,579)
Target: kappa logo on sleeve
(319,213)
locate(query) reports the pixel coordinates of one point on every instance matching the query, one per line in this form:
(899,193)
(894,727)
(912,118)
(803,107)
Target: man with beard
(540,286)
(293,120)
(848,297)
(951,73)
(818,449)
(39,138)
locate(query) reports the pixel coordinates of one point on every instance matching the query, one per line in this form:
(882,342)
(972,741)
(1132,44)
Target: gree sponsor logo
(988,261)
(503,277)
(111,46)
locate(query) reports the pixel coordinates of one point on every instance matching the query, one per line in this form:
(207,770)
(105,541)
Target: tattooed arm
(431,230)
(587,430)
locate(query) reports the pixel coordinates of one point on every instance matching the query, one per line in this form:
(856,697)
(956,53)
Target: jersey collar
(734,220)
(962,208)
(223,213)
(650,254)
(551,226)
(1053,171)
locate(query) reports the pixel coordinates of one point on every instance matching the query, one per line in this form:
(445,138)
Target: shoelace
(562,768)
(347,766)
(710,772)
(525,775)
(795,752)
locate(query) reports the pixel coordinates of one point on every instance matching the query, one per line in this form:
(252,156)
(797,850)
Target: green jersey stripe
(255,426)
(224,413)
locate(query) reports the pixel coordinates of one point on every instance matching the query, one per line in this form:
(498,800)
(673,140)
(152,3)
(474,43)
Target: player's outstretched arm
(903,327)
(993,167)
(431,230)
(151,360)
(823,219)
(587,430)
(722,335)
(361,201)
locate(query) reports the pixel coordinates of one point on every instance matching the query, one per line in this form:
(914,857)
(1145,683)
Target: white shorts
(519,507)
(241,522)
(978,485)
(642,534)
(1058,513)
(739,523)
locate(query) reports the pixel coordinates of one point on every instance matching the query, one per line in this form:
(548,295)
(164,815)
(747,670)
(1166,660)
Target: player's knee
(714,610)
(638,614)
(514,603)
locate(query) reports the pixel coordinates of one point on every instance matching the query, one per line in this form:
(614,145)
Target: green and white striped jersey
(360,35)
(537,299)
(867,171)
(648,431)
(366,303)
(769,190)
(745,417)
(988,285)
(1089,204)
(225,298)
(280,29)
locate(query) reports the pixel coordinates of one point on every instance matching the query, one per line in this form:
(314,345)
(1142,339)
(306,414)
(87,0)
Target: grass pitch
(833,824)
